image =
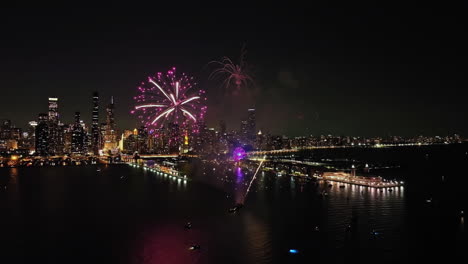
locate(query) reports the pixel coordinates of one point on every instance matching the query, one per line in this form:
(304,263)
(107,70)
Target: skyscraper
(110,133)
(243,131)
(78,137)
(55,136)
(110,114)
(174,134)
(53,110)
(42,135)
(95,134)
(5,129)
(251,125)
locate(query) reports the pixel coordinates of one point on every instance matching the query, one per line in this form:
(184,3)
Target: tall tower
(42,135)
(243,131)
(55,128)
(5,129)
(95,137)
(53,110)
(251,125)
(174,137)
(77,135)
(110,133)
(110,115)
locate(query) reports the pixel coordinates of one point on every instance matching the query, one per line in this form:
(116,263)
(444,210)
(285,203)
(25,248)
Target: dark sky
(346,70)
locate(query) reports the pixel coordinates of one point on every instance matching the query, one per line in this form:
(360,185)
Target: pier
(161,170)
(375,182)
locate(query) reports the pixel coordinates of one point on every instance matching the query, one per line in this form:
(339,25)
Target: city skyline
(241,127)
(355,81)
(50,136)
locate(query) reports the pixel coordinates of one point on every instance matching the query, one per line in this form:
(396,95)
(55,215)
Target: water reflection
(239,175)
(239,185)
(258,239)
(169,243)
(462,224)
(292,187)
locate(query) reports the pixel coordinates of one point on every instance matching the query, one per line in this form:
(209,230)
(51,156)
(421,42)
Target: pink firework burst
(169,98)
(234,74)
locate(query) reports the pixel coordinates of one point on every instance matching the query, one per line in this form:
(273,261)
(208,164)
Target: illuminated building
(251,126)
(130,144)
(277,142)
(136,141)
(142,140)
(5,129)
(174,138)
(95,133)
(78,136)
(128,132)
(199,135)
(30,141)
(185,146)
(42,135)
(56,129)
(260,141)
(53,110)
(11,144)
(110,133)
(121,143)
(243,131)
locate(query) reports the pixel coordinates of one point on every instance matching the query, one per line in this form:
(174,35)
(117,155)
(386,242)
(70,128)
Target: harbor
(375,182)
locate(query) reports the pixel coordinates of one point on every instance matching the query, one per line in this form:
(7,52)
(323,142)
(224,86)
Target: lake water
(122,214)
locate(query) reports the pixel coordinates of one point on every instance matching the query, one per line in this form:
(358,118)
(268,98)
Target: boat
(194,247)
(236,208)
(348,228)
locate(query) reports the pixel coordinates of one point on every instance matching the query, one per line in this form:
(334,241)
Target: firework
(169,98)
(233,74)
(238,154)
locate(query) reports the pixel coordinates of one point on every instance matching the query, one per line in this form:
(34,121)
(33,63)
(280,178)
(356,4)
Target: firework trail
(253,178)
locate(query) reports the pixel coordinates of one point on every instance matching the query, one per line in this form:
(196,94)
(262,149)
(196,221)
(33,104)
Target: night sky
(344,70)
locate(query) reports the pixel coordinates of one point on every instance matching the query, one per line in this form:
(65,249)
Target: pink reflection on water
(239,175)
(170,243)
(240,187)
